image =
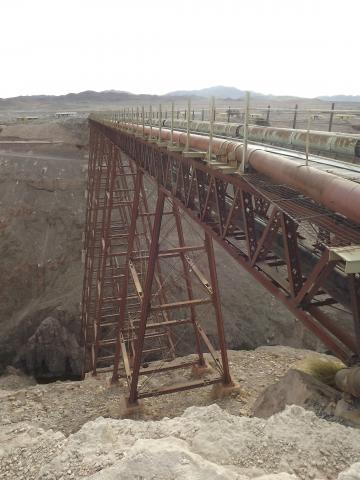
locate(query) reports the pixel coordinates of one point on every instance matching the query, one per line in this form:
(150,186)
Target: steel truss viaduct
(134,313)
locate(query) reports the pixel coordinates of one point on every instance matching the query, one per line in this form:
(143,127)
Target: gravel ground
(52,405)
(60,431)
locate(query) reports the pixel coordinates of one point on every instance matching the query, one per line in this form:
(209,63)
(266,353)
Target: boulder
(349,411)
(297,388)
(352,473)
(51,352)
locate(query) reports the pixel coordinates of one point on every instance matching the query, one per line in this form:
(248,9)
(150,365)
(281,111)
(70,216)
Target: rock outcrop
(52,351)
(42,211)
(297,388)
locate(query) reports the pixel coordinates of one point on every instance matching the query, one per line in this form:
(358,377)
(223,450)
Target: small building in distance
(65,114)
(26,118)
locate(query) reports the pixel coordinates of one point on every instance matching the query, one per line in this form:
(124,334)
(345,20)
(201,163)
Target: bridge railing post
(295,116)
(160,121)
(307,142)
(211,127)
(331,117)
(172,124)
(143,120)
(150,120)
(187,146)
(245,140)
(268,114)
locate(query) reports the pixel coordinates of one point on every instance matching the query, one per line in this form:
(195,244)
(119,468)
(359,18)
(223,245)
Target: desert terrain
(54,426)
(72,430)
(42,214)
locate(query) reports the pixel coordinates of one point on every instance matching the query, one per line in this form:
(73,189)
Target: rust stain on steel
(338,194)
(346,145)
(334,143)
(202,198)
(125,301)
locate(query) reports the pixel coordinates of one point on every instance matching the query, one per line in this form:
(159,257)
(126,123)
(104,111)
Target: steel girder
(278,235)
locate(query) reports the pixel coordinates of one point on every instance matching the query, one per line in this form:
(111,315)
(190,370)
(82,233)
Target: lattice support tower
(146,286)
(289,243)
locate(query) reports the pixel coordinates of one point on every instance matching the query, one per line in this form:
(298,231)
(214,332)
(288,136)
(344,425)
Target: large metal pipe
(338,194)
(342,144)
(221,147)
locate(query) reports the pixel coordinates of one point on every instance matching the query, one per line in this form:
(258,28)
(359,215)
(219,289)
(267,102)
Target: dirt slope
(41,224)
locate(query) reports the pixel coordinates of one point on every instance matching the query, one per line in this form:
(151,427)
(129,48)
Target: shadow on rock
(52,353)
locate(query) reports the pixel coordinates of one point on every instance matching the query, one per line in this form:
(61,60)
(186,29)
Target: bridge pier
(148,283)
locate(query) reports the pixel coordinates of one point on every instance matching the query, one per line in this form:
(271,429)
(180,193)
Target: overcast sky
(283,47)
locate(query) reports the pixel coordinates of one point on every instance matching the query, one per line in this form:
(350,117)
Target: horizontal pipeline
(338,194)
(339,144)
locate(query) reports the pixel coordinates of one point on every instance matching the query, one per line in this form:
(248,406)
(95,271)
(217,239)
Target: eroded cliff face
(42,211)
(52,352)
(42,214)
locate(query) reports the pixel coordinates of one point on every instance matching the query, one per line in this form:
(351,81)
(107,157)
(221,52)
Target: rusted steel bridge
(157,199)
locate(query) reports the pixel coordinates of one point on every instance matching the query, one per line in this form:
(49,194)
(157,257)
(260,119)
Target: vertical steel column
(331,117)
(249,223)
(354,281)
(103,250)
(188,126)
(246,124)
(217,306)
(146,301)
(211,126)
(143,120)
(172,124)
(151,119)
(295,116)
(160,123)
(91,243)
(268,114)
(93,144)
(289,230)
(185,265)
(307,142)
(124,290)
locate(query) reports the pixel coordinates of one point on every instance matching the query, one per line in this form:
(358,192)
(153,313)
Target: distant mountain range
(234,93)
(224,93)
(341,98)
(111,99)
(79,101)
(219,92)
